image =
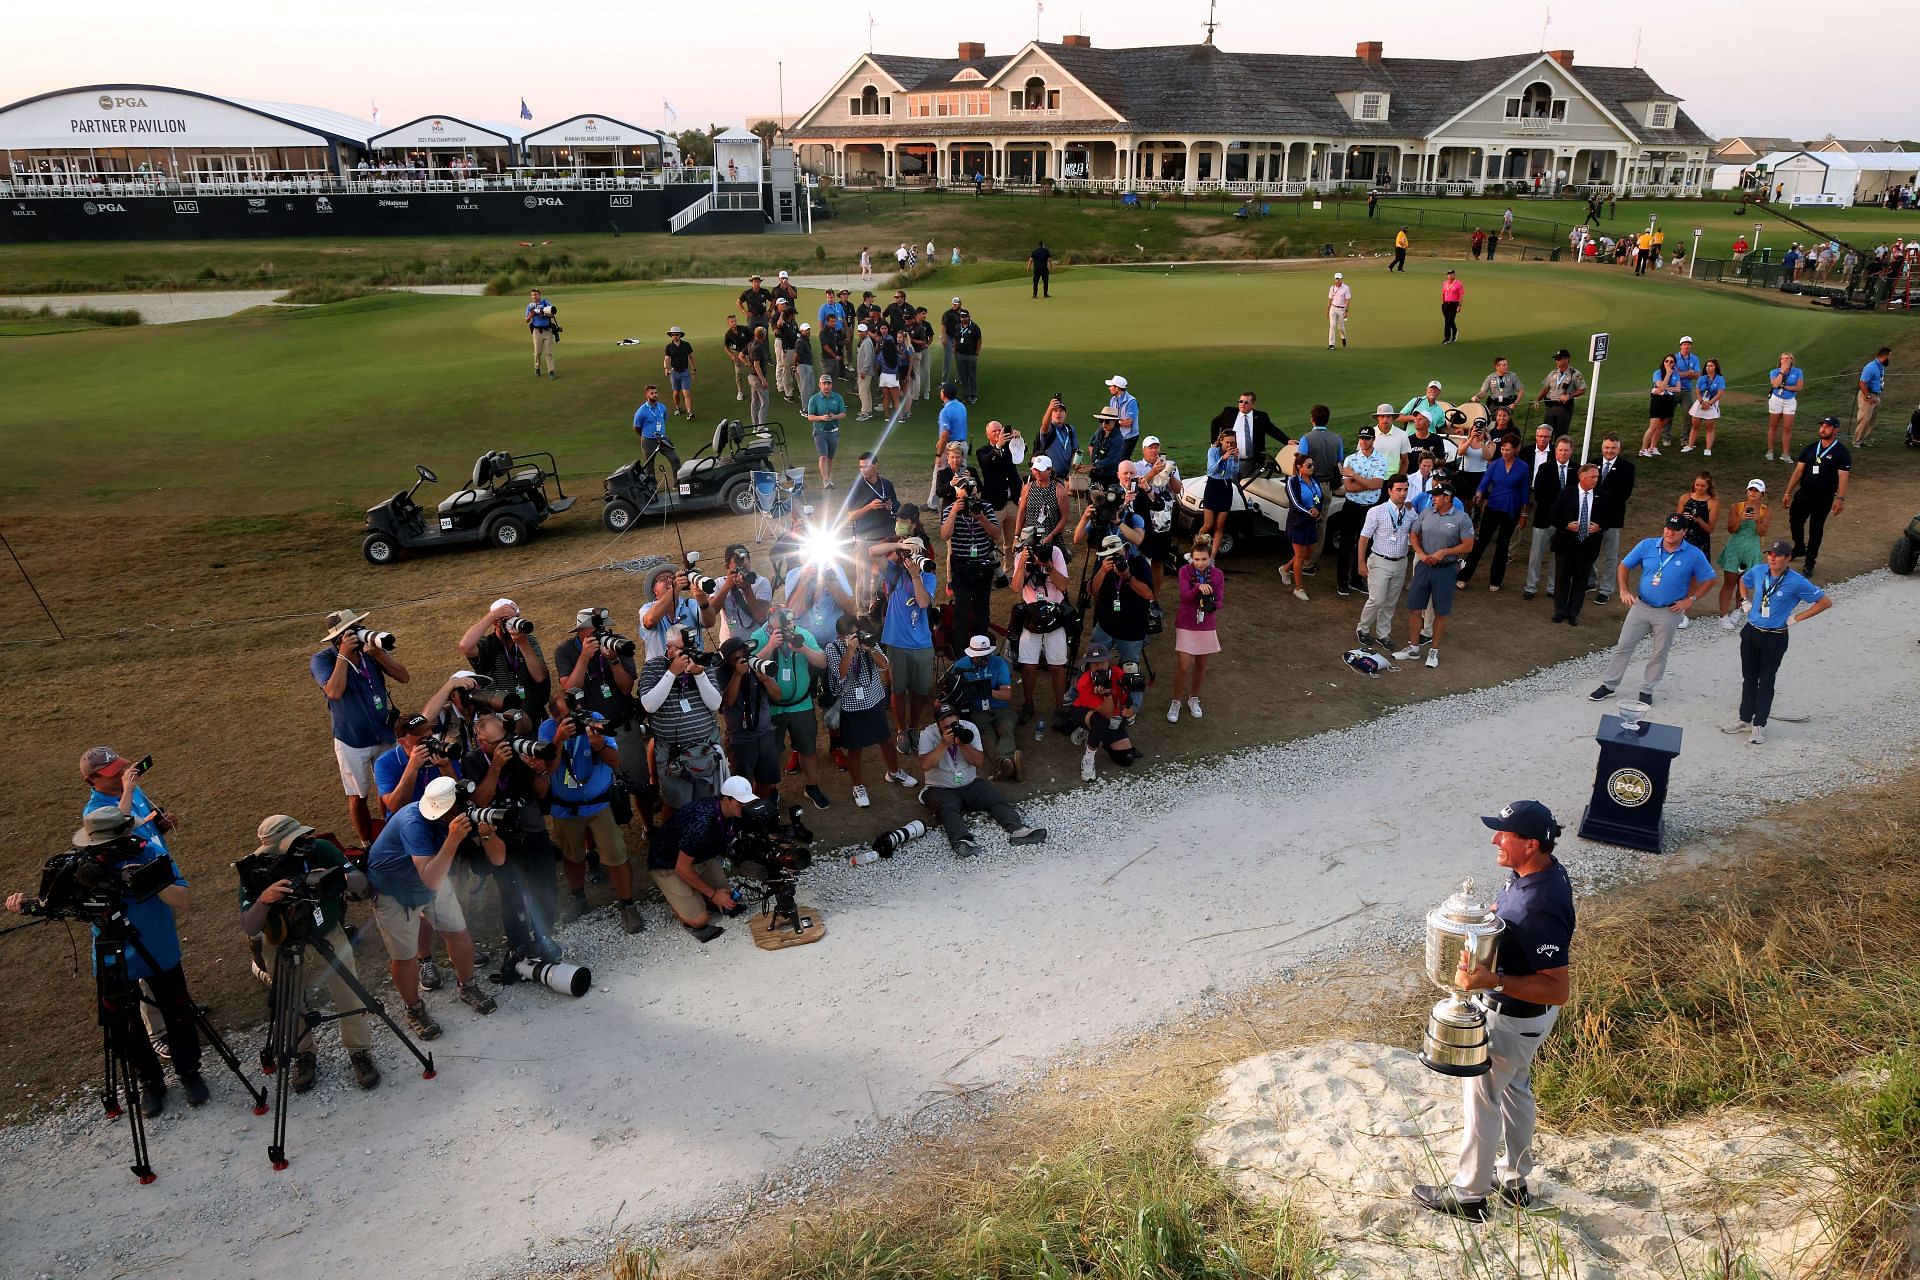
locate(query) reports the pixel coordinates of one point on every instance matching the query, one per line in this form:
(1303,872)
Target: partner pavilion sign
(107,118)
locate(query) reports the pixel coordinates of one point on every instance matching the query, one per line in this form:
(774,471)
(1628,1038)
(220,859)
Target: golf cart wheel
(1905,552)
(739,497)
(378,548)
(507,531)
(618,517)
(1223,541)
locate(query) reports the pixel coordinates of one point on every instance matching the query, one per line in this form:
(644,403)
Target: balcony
(1536,126)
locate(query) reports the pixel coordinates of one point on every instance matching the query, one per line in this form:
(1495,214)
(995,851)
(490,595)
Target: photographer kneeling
(299,851)
(108,835)
(411,867)
(687,858)
(951,756)
(1102,702)
(980,684)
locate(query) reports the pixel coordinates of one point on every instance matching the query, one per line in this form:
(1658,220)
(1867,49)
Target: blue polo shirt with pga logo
(1676,571)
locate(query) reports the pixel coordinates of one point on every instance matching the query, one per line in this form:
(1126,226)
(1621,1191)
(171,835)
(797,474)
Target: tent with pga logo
(595,146)
(447,146)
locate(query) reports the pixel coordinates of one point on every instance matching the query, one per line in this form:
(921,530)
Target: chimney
(1368,51)
(1077,42)
(1562,56)
(971,51)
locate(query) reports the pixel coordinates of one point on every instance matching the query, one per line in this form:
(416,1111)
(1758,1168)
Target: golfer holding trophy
(1515,959)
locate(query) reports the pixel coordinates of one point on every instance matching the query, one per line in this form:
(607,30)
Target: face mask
(901,529)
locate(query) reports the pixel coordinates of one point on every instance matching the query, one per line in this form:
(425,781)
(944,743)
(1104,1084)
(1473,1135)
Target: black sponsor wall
(518,214)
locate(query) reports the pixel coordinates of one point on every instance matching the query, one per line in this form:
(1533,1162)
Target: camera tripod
(117,997)
(290,1017)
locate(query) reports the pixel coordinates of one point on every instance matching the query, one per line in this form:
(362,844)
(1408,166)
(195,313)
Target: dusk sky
(1739,68)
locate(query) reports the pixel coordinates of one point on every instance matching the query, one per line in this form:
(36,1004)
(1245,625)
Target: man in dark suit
(1615,487)
(1556,474)
(1252,428)
(1576,542)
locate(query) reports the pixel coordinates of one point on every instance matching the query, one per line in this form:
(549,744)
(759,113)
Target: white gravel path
(690,1072)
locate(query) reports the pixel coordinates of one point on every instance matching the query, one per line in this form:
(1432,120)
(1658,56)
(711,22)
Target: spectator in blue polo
(1425,405)
(1122,402)
(953,421)
(1873,380)
(1673,575)
(650,423)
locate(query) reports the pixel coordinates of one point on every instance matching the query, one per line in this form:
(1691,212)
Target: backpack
(1367,662)
(692,773)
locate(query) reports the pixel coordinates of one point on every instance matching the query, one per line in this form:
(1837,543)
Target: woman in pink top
(1195,624)
(1450,295)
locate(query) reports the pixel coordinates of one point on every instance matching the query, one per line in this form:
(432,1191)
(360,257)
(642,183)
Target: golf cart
(719,476)
(1259,505)
(1906,549)
(502,505)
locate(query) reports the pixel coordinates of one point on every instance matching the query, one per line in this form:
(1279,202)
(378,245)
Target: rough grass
(27,322)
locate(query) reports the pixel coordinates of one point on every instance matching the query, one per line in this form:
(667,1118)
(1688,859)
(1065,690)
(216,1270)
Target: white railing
(384,182)
(1538,124)
(688,216)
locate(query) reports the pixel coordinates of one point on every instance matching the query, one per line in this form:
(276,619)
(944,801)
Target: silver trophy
(1456,1038)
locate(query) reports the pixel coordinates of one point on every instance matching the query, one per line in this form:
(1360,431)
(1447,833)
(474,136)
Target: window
(1370,106)
(922,106)
(1034,96)
(869,103)
(1661,115)
(968,73)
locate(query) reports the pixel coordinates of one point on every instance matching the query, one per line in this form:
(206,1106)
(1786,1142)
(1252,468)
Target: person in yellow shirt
(1645,255)
(1399,262)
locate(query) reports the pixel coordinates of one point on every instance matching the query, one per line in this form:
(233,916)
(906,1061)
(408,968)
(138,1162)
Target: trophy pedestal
(1456,1039)
(1630,785)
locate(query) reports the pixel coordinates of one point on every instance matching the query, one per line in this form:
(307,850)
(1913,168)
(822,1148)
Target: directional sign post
(1696,251)
(1597,356)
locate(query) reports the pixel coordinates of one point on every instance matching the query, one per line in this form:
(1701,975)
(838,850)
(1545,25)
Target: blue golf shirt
(1775,599)
(1874,375)
(409,834)
(1666,577)
(1688,369)
(907,625)
(650,420)
(953,420)
(583,782)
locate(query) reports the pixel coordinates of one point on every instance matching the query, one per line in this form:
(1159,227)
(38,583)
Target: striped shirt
(684,716)
(972,545)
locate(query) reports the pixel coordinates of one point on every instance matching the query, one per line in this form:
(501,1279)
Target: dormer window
(1660,115)
(869,102)
(1373,106)
(968,73)
(1034,96)
(1536,102)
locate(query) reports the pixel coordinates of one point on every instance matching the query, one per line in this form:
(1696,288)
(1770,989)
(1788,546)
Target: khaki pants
(687,905)
(542,349)
(354,1031)
(1336,325)
(866,392)
(1499,1106)
(1865,409)
(1386,579)
(783,371)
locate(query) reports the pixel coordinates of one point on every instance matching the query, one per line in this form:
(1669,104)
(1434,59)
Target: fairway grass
(329,407)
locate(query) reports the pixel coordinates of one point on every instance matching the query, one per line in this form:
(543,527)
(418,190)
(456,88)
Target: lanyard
(1820,455)
(1397,515)
(365,667)
(1768,586)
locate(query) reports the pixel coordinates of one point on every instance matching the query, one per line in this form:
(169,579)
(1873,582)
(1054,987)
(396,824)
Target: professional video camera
(1106,500)
(966,691)
(381,640)
(772,854)
(612,642)
(84,884)
(297,912)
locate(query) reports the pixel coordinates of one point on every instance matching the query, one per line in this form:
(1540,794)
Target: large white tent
(1837,177)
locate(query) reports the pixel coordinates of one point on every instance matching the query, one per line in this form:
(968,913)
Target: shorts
(1197,643)
(756,758)
(862,729)
(1705,412)
(912,669)
(1660,407)
(826,441)
(1051,645)
(571,835)
(356,767)
(680,381)
(1433,584)
(399,924)
(889,380)
(801,728)
(1776,404)
(686,904)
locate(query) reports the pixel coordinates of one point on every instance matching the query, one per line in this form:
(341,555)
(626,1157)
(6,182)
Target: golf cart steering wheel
(426,475)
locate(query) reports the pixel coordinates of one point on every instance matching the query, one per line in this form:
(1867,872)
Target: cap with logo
(979,647)
(1149,442)
(1757,483)
(1528,819)
(1676,521)
(1433,383)
(783,275)
(1339,275)
(504,603)
(805,327)
(738,789)
(1367,433)
(1041,462)
(1563,354)
(1117,381)
(413,724)
(102,760)
(1686,337)
(1780,547)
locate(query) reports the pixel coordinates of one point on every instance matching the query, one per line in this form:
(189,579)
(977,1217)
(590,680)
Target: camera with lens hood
(532,749)
(381,640)
(520,626)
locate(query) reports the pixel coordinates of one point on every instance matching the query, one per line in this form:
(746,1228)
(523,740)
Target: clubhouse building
(1186,118)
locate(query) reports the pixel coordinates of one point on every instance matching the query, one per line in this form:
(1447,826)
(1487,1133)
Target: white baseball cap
(503,603)
(862,328)
(1117,381)
(1339,275)
(1384,411)
(1686,337)
(1041,462)
(805,327)
(1434,383)
(783,275)
(956,299)
(439,798)
(738,788)
(1150,440)
(1757,483)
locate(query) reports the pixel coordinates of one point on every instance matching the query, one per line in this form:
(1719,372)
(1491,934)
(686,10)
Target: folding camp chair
(766,496)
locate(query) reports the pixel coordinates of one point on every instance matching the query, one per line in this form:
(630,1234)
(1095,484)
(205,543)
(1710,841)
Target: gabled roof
(1758,144)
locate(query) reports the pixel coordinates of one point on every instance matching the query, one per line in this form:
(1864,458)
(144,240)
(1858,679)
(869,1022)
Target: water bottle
(861,857)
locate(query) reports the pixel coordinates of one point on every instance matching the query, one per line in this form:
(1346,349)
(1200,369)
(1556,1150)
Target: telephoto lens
(535,749)
(520,626)
(382,640)
(887,843)
(767,667)
(705,586)
(568,979)
(493,815)
(615,644)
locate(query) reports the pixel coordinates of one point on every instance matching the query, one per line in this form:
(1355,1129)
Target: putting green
(330,407)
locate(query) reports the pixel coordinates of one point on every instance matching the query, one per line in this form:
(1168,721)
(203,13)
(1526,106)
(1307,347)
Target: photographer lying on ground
(951,756)
(687,858)
(411,867)
(300,847)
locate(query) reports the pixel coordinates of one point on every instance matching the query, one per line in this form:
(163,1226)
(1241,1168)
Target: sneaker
(1313,568)
(631,921)
(305,1068)
(1086,767)
(865,417)
(1341,590)
(1515,1193)
(1173,712)
(965,849)
(1299,594)
(1286,574)
(1040,730)
(365,1074)
(904,778)
(1706,453)
(1407,654)
(421,1021)
(476,999)
(739,395)
(1426,637)
(1603,597)
(1600,694)
(1646,696)
(1727,623)
(819,798)
(1447,1200)
(1492,587)
(1193,706)
(196,1086)
(903,743)
(1743,726)
(1360,639)
(1528,594)
(1077,737)
(860,800)
(793,762)
(1685,622)
(1653,453)
(482,957)
(1759,735)
(1769,455)
(1027,835)
(430,979)
(706,933)
(1433,657)
(1686,448)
